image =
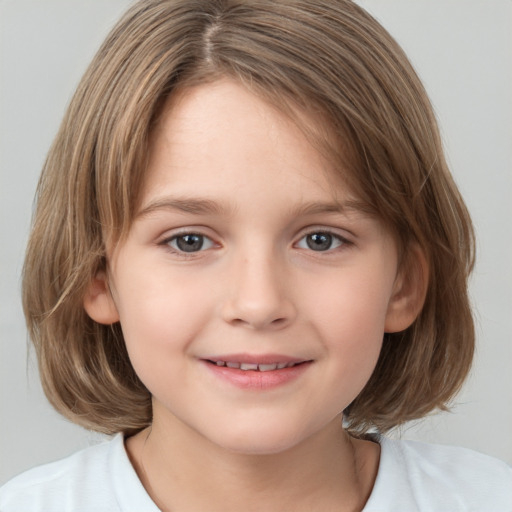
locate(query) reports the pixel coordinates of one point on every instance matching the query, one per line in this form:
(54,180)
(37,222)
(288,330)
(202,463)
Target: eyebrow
(200,206)
(186,205)
(344,207)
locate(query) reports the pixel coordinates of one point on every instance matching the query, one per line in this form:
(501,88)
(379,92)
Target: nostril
(257,313)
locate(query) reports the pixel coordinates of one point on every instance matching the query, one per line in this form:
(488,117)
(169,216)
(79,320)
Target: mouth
(256,373)
(255,367)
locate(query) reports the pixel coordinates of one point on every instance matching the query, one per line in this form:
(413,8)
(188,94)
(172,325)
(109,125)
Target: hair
(325,57)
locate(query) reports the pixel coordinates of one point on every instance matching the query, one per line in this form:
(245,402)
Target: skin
(254,288)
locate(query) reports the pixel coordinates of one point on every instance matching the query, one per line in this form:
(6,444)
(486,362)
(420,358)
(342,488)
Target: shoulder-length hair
(326,57)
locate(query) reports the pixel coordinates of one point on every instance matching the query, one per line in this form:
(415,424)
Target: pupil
(319,241)
(189,243)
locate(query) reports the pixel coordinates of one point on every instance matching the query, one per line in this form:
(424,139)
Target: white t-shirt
(412,477)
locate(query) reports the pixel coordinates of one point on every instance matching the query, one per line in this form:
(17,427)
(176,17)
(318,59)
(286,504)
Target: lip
(255,358)
(290,368)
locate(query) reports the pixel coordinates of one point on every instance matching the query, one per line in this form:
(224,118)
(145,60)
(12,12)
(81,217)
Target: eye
(189,242)
(321,241)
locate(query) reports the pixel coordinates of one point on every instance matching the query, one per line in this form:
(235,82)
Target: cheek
(352,306)
(159,318)
(350,321)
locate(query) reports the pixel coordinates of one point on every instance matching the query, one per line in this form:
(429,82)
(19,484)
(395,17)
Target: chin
(269,440)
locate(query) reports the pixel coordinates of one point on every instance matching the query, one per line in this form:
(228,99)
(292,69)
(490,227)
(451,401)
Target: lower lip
(251,379)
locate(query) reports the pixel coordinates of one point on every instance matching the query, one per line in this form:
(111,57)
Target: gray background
(463,51)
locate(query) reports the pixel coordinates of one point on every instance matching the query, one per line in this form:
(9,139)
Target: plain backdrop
(462,49)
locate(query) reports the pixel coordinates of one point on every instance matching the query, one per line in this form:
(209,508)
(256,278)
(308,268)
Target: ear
(98,301)
(409,292)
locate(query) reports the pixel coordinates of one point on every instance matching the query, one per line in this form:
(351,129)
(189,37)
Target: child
(249,261)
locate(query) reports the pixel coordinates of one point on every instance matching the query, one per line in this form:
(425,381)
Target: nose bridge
(258,295)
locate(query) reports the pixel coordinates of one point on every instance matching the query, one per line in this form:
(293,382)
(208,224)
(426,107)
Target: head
(343,81)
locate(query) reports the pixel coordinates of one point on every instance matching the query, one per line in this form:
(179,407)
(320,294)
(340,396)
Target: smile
(257,367)
(257,372)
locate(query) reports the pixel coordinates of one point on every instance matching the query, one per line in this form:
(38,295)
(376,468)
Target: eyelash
(342,241)
(335,238)
(176,250)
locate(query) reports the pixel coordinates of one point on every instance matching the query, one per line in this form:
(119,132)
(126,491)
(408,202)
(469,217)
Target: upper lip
(276,364)
(255,359)
(261,362)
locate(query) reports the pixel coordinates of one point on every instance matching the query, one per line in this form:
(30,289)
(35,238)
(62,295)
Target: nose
(258,294)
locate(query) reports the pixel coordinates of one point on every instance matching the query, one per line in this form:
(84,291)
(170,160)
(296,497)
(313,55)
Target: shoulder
(82,476)
(87,480)
(443,478)
(462,464)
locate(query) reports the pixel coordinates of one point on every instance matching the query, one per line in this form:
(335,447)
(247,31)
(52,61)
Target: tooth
(267,367)
(289,365)
(280,366)
(220,363)
(248,366)
(233,365)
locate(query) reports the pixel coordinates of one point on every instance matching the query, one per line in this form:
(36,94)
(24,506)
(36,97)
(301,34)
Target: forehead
(221,137)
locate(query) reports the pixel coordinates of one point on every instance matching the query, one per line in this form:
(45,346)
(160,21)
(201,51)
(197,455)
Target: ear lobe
(98,301)
(409,292)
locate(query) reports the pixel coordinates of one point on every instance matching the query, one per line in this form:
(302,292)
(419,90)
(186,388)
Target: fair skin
(246,250)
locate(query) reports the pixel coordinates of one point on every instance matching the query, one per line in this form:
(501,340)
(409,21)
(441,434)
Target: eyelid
(210,243)
(171,233)
(166,240)
(345,240)
(342,234)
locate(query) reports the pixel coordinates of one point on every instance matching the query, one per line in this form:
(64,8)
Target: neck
(184,472)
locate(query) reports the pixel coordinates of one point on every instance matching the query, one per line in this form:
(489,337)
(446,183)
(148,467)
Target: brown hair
(328,57)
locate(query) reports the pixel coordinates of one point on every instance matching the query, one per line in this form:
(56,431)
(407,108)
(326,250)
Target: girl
(249,261)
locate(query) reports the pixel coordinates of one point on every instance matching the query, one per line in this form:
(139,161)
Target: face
(252,290)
